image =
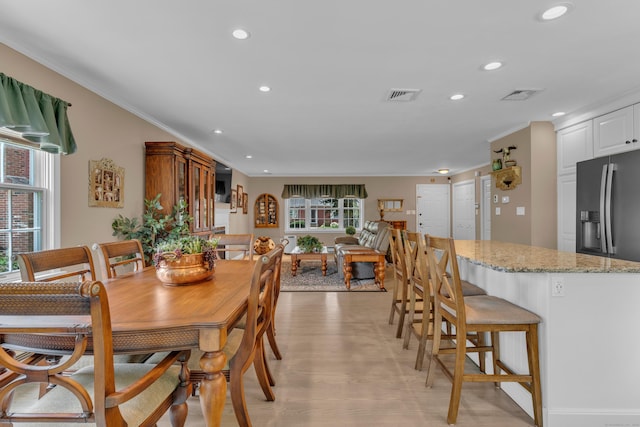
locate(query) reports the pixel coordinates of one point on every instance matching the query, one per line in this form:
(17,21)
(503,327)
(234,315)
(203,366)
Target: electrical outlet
(557,287)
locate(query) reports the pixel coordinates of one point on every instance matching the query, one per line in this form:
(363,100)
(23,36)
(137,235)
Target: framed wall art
(239,193)
(245,203)
(106,184)
(233,204)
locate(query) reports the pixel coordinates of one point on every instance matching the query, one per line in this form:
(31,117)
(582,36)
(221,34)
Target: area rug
(309,278)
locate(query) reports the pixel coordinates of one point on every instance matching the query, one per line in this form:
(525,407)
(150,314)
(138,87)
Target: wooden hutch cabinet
(266,211)
(182,173)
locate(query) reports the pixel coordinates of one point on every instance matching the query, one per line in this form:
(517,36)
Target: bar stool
(480,314)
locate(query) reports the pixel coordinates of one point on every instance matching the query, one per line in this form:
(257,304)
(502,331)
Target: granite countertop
(514,258)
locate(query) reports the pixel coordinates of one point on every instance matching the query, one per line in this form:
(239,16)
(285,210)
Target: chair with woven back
(477,314)
(230,244)
(76,316)
(114,256)
(72,263)
(63,264)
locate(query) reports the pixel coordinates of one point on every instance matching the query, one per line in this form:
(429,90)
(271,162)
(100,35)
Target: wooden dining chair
(271,330)
(230,244)
(113,256)
(478,314)
(245,344)
(55,265)
(75,263)
(72,263)
(74,317)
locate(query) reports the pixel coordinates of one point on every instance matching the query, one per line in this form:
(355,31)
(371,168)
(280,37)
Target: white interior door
(464,210)
(432,206)
(485,208)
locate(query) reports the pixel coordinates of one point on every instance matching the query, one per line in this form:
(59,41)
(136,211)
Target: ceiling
(331,65)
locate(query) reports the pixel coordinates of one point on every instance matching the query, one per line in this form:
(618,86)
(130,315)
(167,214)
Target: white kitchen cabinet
(574,144)
(617,131)
(567,213)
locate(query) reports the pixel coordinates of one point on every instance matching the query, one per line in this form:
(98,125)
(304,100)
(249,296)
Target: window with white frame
(25,183)
(323,214)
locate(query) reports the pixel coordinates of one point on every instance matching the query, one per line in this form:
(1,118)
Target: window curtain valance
(339,191)
(37,116)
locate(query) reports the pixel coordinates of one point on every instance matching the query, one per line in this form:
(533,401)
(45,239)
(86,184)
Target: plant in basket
(185,260)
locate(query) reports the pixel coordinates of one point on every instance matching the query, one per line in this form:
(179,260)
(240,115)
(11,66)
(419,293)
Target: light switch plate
(505,199)
(520,210)
(497,211)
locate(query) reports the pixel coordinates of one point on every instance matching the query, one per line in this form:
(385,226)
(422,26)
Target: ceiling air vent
(521,94)
(403,94)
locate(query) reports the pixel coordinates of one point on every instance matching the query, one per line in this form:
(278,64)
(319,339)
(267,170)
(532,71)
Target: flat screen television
(223,183)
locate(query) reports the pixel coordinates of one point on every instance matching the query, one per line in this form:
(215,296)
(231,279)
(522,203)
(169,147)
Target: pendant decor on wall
(106,184)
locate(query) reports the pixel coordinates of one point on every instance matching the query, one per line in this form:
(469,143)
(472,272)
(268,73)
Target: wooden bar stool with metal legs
(479,314)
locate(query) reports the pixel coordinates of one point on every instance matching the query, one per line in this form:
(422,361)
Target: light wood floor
(343,366)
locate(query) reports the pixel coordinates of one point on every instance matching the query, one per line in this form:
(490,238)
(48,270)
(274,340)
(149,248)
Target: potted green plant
(350,230)
(187,259)
(154,227)
(309,243)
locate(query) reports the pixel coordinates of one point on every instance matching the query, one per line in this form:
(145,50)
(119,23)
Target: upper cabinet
(617,131)
(574,144)
(182,173)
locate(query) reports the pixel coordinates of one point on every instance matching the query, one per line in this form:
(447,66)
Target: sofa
(374,237)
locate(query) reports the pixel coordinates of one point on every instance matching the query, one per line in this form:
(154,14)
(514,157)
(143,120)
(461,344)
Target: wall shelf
(266,211)
(508,178)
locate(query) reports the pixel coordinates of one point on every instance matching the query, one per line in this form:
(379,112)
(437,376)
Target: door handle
(603,186)
(609,230)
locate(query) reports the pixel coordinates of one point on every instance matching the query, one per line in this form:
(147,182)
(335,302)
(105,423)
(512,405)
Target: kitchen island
(590,310)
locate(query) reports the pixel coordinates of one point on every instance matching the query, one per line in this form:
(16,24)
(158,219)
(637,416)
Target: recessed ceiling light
(555,12)
(218,131)
(456,97)
(266,171)
(558,114)
(265,89)
(248,156)
(492,66)
(443,171)
(240,34)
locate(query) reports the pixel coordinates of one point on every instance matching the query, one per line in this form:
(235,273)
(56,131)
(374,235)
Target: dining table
(148,316)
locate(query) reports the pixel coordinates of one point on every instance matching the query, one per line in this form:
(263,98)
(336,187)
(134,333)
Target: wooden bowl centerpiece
(184,261)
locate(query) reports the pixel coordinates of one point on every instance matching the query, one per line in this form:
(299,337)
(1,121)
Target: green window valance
(37,116)
(333,191)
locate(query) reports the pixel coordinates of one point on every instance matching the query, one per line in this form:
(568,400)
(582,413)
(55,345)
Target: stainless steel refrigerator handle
(603,185)
(609,233)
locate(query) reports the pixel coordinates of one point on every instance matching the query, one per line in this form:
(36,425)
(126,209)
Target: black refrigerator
(608,206)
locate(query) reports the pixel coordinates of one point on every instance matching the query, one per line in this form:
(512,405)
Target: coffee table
(363,255)
(298,255)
